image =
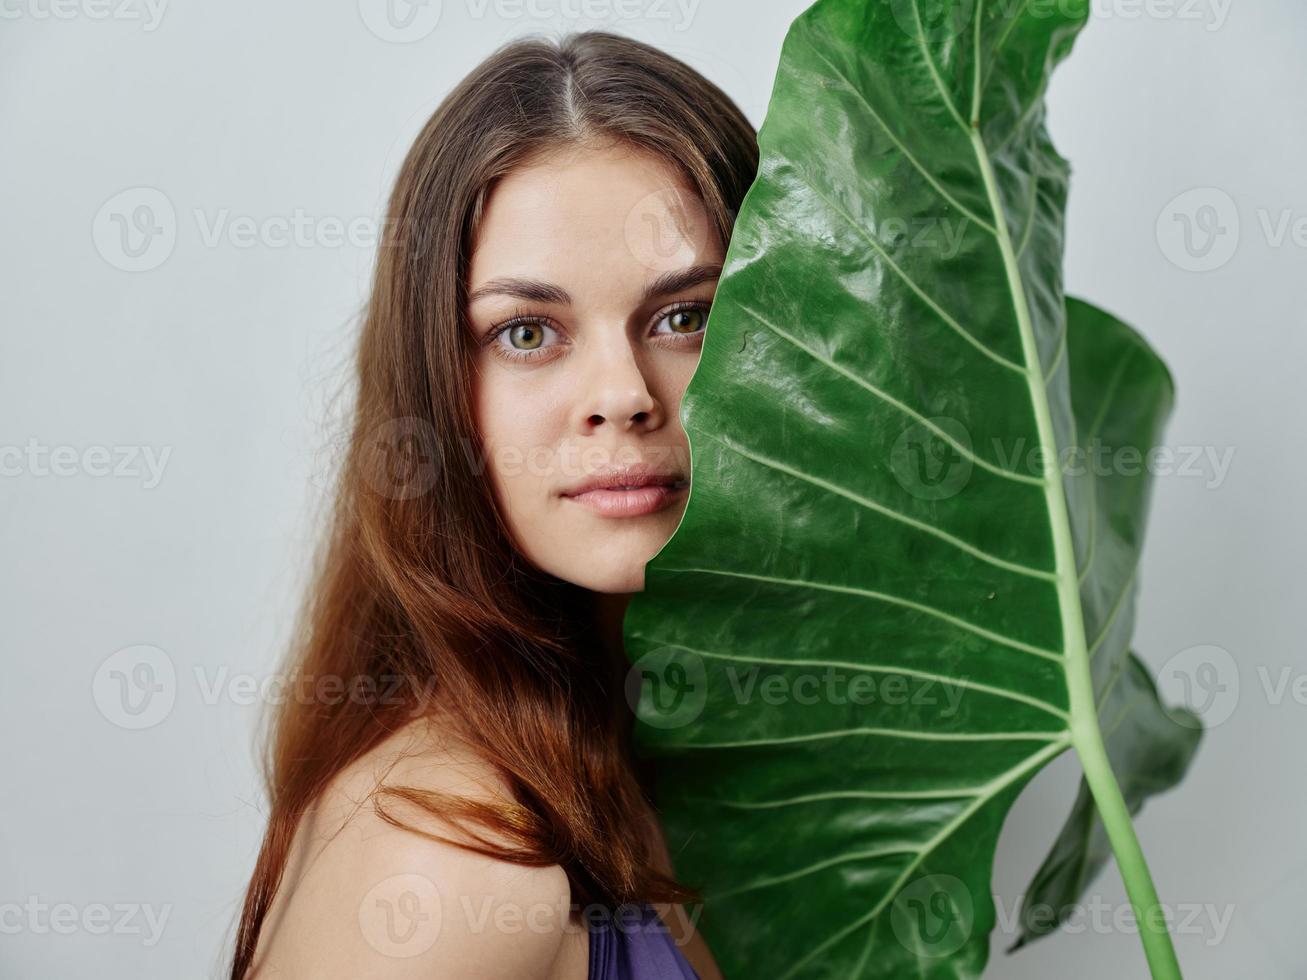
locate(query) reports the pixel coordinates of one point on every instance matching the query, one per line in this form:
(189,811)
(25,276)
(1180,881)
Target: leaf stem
(1085,733)
(1149,914)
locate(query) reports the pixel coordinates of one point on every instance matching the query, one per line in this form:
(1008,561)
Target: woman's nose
(615,393)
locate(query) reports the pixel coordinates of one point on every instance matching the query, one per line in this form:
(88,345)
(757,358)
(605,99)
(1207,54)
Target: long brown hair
(418,578)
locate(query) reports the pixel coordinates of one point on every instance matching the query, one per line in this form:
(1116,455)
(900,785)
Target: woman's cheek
(521,426)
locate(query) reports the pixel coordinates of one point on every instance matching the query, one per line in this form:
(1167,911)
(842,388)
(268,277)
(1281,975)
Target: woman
(459,797)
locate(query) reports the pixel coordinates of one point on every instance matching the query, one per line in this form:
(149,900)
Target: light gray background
(225,356)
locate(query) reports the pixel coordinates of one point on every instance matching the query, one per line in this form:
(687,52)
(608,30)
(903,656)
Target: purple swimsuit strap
(632,942)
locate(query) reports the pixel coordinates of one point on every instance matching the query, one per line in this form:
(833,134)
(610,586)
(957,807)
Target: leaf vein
(920,168)
(872,505)
(925,297)
(892,401)
(813,869)
(931,611)
(849,665)
(993,788)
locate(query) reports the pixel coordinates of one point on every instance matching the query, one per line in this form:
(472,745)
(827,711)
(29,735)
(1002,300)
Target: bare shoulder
(362,897)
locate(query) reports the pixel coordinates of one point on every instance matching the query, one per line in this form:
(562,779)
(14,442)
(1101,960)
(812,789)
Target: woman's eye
(688,320)
(521,339)
(526,336)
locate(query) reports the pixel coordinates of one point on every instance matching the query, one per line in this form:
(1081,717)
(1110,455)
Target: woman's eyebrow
(674,282)
(546,292)
(533,289)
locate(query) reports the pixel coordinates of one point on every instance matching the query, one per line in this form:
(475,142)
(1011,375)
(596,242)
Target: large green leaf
(882,614)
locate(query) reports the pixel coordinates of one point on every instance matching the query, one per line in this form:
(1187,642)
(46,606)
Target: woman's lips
(635,502)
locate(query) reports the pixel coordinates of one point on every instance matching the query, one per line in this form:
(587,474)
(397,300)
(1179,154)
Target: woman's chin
(609,566)
(609,558)
(622,578)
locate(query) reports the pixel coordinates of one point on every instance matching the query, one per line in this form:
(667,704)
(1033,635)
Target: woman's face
(589,287)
